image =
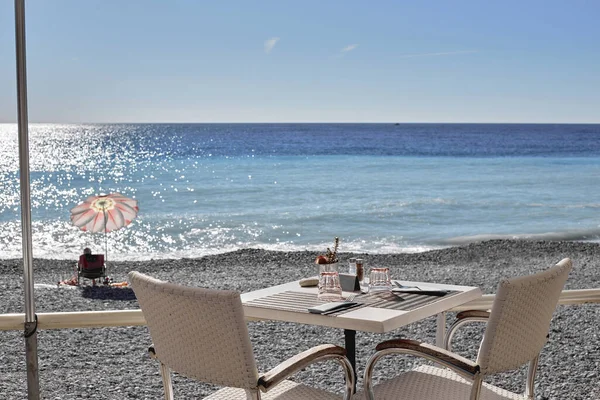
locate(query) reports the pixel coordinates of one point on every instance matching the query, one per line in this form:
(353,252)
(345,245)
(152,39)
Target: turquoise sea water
(211,188)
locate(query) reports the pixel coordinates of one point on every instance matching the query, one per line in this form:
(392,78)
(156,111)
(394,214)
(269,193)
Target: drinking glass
(379,280)
(330,288)
(352,266)
(328,267)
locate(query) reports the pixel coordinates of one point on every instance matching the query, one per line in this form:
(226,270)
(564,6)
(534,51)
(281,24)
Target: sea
(205,189)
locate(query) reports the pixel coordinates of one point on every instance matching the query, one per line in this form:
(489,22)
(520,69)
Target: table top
(366,318)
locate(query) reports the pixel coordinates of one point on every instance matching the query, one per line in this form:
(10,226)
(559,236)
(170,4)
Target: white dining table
(367,318)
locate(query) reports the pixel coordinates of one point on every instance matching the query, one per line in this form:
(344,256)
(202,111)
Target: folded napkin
(427,290)
(332,307)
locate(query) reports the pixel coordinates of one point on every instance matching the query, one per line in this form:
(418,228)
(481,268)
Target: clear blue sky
(305,61)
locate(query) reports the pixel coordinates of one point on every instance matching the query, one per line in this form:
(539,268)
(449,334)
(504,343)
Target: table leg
(441,329)
(350,344)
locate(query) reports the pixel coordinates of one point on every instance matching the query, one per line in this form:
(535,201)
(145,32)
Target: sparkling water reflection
(210,188)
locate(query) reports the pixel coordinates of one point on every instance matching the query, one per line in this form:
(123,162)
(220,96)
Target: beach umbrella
(104,213)
(30,331)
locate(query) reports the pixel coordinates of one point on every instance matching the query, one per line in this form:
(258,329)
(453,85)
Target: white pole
(33,385)
(105,238)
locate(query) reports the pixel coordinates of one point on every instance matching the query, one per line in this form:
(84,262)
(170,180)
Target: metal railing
(113,318)
(567,297)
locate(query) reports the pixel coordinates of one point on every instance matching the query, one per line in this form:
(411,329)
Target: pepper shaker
(360,270)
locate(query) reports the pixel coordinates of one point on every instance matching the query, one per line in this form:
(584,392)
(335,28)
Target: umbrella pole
(30,326)
(105,238)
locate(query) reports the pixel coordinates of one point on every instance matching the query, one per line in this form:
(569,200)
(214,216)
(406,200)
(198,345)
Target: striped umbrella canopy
(104,213)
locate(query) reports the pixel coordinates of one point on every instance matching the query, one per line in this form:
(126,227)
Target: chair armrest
(303,360)
(458,364)
(473,314)
(462,318)
(451,360)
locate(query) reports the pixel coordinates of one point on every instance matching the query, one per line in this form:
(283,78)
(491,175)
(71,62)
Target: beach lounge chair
(201,333)
(91,266)
(517,329)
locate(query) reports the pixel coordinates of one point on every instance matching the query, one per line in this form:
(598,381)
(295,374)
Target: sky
(305,61)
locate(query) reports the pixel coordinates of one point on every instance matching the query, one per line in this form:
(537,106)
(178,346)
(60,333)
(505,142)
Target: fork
(346,300)
(401,286)
(350,297)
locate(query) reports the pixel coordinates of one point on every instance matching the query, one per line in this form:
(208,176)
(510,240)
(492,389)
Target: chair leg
(167,384)
(529,387)
(440,330)
(368,375)
(252,394)
(476,388)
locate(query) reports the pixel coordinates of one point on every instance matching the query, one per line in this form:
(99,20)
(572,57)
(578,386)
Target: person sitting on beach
(73,281)
(87,253)
(92,263)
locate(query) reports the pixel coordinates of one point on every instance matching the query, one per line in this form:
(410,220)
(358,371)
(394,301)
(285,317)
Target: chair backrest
(520,319)
(199,333)
(91,261)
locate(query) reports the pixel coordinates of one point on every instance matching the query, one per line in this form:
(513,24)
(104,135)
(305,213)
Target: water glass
(330,288)
(333,267)
(379,280)
(352,266)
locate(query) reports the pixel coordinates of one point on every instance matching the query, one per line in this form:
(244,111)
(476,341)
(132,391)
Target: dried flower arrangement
(331,256)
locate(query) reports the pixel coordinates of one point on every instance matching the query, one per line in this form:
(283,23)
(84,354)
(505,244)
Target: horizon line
(309,122)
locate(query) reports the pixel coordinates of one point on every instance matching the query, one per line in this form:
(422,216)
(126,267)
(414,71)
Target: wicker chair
(517,329)
(201,333)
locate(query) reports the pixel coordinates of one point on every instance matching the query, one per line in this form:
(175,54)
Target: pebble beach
(112,363)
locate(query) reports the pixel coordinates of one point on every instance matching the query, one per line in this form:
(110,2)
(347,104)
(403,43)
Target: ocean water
(381,188)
